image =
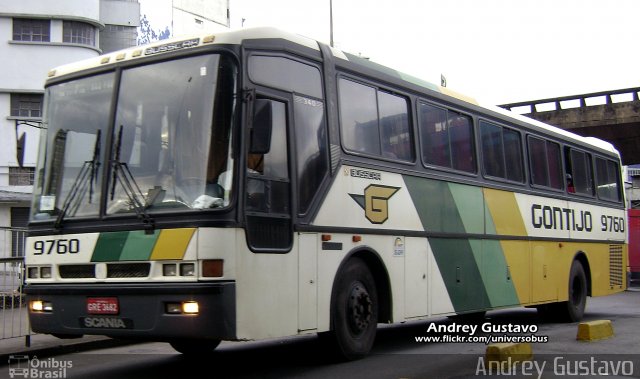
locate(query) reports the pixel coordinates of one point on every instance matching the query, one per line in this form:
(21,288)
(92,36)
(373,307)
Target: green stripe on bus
(496,275)
(461,275)
(435,205)
(475,271)
(139,246)
(109,246)
(470,205)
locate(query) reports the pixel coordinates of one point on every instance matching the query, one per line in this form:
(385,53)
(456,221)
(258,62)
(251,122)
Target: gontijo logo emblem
(375,202)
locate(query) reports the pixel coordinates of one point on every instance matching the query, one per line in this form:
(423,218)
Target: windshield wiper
(89,170)
(122,174)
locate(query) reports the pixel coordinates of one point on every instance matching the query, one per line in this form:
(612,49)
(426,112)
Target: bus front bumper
(150,311)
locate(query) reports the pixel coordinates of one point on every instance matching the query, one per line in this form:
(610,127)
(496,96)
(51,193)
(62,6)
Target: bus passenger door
(267,272)
(267,189)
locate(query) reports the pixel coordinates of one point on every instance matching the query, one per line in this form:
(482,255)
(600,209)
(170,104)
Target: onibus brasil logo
(21,366)
(375,202)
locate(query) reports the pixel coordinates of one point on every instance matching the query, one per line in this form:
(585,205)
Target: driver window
(268,174)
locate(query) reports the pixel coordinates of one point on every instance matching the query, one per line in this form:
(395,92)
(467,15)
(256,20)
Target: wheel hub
(359,306)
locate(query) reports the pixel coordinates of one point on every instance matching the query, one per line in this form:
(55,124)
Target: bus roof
(179,43)
(238,36)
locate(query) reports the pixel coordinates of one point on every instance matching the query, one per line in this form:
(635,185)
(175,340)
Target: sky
(498,51)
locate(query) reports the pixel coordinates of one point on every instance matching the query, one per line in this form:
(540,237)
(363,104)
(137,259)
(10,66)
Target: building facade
(36,36)
(163,19)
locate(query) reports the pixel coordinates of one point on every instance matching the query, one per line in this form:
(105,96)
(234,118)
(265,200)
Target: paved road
(395,355)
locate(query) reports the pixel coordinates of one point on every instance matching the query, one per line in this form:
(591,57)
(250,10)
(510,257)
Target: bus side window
(359,117)
(608,179)
(579,174)
(394,127)
(311,148)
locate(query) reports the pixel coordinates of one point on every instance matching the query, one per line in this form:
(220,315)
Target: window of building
(26,105)
(607,179)
(117,37)
(374,122)
(21,176)
(501,152)
(31,30)
(78,32)
(447,138)
(546,163)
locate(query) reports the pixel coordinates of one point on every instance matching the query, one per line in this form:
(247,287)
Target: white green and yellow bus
(257,184)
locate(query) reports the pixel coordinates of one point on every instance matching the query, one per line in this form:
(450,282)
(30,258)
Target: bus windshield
(168,149)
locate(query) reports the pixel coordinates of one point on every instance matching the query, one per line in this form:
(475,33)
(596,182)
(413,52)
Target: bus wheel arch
(578,288)
(360,298)
(382,281)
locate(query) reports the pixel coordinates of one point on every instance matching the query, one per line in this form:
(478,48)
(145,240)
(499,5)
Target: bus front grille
(128,270)
(76,271)
(114,271)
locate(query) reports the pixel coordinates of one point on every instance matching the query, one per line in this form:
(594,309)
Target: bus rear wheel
(354,311)
(571,310)
(195,347)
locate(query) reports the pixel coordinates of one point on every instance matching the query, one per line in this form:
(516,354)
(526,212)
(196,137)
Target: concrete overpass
(613,116)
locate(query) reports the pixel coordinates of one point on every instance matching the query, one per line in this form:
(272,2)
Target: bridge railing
(577,101)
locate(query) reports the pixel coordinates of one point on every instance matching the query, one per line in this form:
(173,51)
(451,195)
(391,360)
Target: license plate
(103,306)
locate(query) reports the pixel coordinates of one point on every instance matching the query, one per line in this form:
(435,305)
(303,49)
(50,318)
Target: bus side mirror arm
(262,124)
(21,139)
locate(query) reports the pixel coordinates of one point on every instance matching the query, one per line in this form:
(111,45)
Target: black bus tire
(573,309)
(354,311)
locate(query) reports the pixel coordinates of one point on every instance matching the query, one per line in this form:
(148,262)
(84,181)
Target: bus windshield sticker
(398,247)
(47,202)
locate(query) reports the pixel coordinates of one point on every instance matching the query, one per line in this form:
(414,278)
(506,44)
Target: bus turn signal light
(213,268)
(186,307)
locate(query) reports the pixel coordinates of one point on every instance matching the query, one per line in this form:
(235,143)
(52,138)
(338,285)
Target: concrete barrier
(594,330)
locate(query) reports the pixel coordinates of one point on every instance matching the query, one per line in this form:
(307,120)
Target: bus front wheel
(354,311)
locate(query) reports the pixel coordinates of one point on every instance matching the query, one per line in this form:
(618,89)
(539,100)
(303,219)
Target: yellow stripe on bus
(172,244)
(505,212)
(516,254)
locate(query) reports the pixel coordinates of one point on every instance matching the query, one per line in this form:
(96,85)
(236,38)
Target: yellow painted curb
(594,330)
(508,352)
